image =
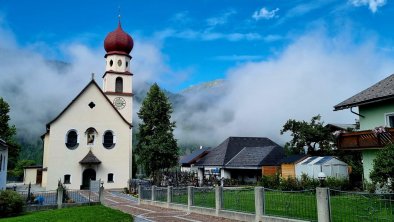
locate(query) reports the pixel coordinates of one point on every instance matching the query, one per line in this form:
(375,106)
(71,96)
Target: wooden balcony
(365,140)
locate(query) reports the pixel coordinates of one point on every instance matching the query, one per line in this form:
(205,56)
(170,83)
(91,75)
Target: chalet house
(3,164)
(242,158)
(376,116)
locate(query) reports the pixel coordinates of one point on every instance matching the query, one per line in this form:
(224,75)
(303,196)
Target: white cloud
(222,19)
(264,13)
(308,77)
(372,4)
(208,35)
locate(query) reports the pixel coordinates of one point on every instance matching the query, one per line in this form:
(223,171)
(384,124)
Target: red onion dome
(118,42)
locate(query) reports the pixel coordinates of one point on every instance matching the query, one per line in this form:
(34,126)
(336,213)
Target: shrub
(11,203)
(270,181)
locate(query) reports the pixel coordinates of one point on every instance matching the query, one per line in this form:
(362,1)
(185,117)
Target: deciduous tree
(312,136)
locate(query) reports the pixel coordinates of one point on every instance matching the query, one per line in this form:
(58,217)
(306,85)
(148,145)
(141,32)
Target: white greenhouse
(329,165)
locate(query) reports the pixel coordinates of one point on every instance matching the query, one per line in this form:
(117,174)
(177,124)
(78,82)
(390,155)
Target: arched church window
(90,135)
(72,139)
(109,139)
(119,84)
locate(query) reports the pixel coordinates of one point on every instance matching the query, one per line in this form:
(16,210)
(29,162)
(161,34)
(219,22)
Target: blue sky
(280,59)
(199,40)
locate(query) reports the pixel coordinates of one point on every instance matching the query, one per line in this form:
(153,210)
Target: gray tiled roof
(257,157)
(222,154)
(188,159)
(90,158)
(382,90)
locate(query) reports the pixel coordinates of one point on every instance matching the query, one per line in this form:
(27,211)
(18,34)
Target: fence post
(259,202)
(139,194)
(101,194)
(323,204)
(59,197)
(218,198)
(169,195)
(153,197)
(190,197)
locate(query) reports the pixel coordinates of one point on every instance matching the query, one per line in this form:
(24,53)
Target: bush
(270,181)
(11,203)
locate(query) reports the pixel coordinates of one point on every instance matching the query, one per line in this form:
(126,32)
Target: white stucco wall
(60,160)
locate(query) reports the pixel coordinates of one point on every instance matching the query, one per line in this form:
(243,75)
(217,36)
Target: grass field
(345,206)
(97,213)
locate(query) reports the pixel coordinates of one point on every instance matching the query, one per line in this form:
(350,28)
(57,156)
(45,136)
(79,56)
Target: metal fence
(161,194)
(179,195)
(80,196)
(40,197)
(352,206)
(204,197)
(146,193)
(291,204)
(338,205)
(239,199)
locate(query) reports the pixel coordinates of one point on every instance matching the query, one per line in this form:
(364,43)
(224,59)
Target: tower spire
(119,16)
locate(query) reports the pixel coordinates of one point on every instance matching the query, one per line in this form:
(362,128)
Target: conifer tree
(8,133)
(156,148)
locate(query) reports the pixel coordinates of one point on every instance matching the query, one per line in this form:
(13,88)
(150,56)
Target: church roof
(382,90)
(76,98)
(90,158)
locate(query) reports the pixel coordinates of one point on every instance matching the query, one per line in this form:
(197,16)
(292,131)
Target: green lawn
(97,213)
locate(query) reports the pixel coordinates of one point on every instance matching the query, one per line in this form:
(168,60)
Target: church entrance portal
(87,175)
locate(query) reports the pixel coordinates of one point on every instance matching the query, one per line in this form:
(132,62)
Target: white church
(91,138)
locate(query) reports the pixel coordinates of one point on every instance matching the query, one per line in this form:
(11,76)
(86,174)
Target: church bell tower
(117,84)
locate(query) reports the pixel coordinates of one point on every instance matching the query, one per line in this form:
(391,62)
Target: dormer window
(119,84)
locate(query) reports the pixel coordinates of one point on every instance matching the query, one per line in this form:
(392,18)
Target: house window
(110,178)
(390,120)
(72,139)
(119,84)
(67,179)
(108,139)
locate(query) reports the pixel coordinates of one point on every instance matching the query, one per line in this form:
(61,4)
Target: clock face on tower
(119,102)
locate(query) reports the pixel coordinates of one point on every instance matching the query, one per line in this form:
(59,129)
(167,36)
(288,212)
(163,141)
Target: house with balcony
(376,118)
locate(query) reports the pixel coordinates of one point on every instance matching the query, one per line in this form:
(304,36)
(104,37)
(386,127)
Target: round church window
(119,62)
